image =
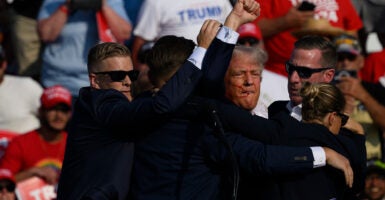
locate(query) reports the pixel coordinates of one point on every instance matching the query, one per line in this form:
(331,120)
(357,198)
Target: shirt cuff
(319,156)
(227,35)
(197,56)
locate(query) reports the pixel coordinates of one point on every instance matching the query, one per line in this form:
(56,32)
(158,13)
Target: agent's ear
(329,75)
(94,81)
(332,117)
(328,120)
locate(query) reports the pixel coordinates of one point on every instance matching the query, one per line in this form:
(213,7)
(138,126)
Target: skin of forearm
(232,21)
(49,29)
(120,28)
(138,42)
(24,175)
(375,109)
(271,27)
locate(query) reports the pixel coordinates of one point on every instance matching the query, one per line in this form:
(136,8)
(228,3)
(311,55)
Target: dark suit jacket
(322,183)
(184,159)
(282,129)
(99,151)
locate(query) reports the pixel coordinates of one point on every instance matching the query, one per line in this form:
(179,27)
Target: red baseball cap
(7,174)
(55,95)
(250,30)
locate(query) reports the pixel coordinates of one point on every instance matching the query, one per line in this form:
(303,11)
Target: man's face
(375,186)
(57,117)
(7,191)
(105,81)
(349,61)
(309,59)
(242,82)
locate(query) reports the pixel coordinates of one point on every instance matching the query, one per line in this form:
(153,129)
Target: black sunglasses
(9,187)
(249,40)
(344,118)
(117,76)
(343,56)
(303,72)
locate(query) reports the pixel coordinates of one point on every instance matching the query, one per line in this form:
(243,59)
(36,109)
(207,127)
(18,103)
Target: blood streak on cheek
(241,93)
(238,86)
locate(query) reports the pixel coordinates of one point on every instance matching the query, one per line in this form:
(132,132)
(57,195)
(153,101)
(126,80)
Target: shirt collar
(295,111)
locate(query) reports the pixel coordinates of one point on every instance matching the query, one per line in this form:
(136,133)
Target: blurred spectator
(250,35)
(374,69)
(142,54)
(375,181)
(40,152)
(19,100)
(69,31)
(7,185)
(132,8)
(158,18)
(5,35)
(279,18)
(360,104)
(273,85)
(26,43)
(372,13)
(5,139)
(143,83)
(375,107)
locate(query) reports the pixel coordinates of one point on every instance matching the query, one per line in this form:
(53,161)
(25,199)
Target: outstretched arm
(258,158)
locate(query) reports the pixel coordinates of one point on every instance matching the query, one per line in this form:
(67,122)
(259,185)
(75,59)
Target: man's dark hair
(166,56)
(328,49)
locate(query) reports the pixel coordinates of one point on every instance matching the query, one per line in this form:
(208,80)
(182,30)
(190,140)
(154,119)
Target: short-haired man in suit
(314,59)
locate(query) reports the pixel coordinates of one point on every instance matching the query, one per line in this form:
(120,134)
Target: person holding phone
(360,103)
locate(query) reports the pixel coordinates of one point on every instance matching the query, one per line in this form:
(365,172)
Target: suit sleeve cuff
(227,35)
(197,56)
(319,157)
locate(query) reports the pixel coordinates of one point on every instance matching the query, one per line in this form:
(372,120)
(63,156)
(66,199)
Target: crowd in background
(44,63)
